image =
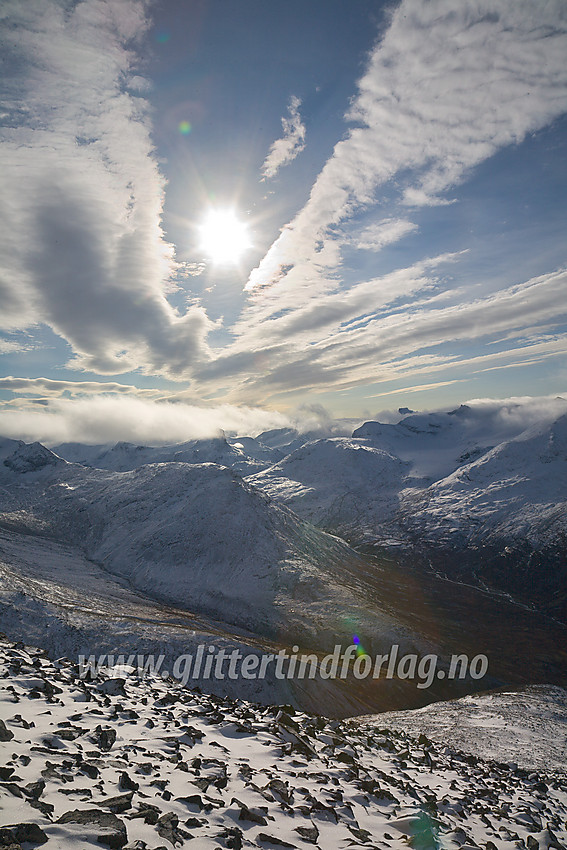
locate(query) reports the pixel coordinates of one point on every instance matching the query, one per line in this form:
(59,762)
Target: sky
(245,214)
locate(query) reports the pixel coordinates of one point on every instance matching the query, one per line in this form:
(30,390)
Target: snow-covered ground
(142,763)
(527,727)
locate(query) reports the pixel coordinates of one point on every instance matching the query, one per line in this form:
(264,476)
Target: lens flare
(360,650)
(185,127)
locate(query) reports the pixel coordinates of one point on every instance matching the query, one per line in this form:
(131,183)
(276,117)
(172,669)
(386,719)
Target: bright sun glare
(224,238)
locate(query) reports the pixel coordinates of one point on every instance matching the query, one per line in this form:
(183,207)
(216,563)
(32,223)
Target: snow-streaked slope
(515,491)
(437,444)
(341,483)
(527,727)
(123,457)
(429,476)
(199,537)
(144,763)
(479,493)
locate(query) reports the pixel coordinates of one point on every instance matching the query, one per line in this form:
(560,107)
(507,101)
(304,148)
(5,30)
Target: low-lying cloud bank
(109,419)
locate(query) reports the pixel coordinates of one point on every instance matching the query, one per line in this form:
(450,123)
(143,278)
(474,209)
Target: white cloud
(423,335)
(446,87)
(108,419)
(285,150)
(418,388)
(81,244)
(54,387)
(382,233)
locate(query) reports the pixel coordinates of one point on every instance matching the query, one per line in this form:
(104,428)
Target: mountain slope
(199,537)
(123,761)
(123,457)
(340,484)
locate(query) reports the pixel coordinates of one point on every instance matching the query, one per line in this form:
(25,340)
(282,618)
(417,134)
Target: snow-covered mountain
(516,490)
(340,484)
(486,483)
(526,727)
(193,535)
(123,457)
(200,538)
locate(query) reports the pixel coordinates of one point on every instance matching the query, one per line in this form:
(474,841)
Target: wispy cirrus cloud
(382,233)
(337,348)
(284,150)
(53,387)
(81,244)
(445,88)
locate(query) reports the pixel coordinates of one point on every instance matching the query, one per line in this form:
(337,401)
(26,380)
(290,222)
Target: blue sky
(399,171)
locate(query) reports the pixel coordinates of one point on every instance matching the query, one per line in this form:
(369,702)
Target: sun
(223,237)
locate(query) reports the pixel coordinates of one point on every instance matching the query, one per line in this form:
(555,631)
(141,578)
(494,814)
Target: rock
(361,834)
(107,828)
(18,833)
(253,815)
(120,803)
(15,834)
(194,800)
(168,828)
(91,770)
(231,838)
(270,839)
(280,789)
(105,738)
(5,733)
(35,789)
(14,789)
(145,809)
(46,809)
(112,687)
(308,833)
(125,783)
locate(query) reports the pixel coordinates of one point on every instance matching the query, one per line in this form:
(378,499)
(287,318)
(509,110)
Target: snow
(341,484)
(526,727)
(161,765)
(516,490)
(126,456)
(160,549)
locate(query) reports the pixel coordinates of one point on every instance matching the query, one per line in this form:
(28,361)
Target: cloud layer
(446,87)
(81,245)
(82,248)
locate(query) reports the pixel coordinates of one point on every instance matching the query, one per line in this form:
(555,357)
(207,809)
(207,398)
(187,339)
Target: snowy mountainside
(199,537)
(122,761)
(524,726)
(341,484)
(502,519)
(123,456)
(517,489)
(438,443)
(442,484)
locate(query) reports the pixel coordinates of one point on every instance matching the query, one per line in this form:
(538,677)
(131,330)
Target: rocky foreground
(119,761)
